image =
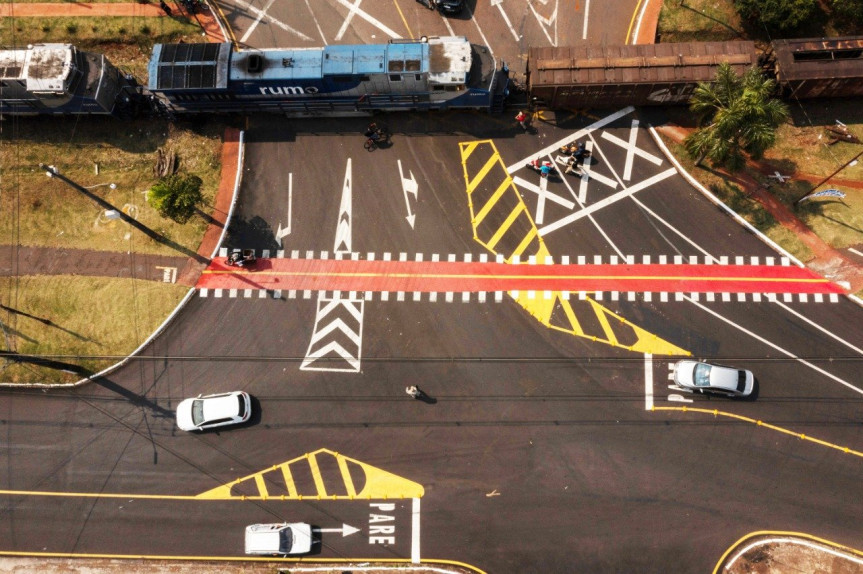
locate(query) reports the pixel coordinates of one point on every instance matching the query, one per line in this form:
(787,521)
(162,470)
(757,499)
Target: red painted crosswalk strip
(443,276)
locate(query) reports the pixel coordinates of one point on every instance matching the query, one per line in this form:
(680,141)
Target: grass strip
(78,320)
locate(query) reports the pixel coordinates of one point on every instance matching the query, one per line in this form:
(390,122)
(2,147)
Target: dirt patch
(796,556)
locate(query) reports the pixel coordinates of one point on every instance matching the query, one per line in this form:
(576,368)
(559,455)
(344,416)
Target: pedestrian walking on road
(521,118)
(413,391)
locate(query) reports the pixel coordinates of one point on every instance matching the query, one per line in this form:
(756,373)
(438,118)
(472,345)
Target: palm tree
(740,116)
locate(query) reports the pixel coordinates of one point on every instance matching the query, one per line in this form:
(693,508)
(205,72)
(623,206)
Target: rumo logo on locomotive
(434,73)
(287,90)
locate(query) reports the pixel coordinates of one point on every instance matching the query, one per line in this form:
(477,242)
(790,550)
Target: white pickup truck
(278,539)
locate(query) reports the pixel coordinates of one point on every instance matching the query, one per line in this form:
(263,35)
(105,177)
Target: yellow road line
(231,37)
(503,228)
(801,436)
(408,28)
(771,533)
(97,495)
(632,21)
(308,560)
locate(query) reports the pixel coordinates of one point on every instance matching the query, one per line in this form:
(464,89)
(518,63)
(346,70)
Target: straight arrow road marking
(346,530)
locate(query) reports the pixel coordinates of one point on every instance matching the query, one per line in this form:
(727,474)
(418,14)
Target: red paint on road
(426,276)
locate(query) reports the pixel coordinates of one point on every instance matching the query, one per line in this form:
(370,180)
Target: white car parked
(278,539)
(707,378)
(213,411)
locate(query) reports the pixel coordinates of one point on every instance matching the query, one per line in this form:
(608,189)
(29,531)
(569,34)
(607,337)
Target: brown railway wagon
(642,74)
(819,67)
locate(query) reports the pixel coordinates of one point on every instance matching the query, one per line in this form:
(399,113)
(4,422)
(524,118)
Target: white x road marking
(355,9)
(631,149)
(543,194)
(261,14)
(607,201)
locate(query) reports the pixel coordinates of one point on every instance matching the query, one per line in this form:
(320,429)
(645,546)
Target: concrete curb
(716,201)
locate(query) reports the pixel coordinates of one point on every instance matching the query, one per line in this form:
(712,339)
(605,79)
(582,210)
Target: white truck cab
(278,539)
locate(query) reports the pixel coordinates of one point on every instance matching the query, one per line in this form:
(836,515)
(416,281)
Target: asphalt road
(539,451)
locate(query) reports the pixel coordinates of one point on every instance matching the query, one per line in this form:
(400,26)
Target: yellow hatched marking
(490,163)
(504,227)
(526,241)
(262,487)
(316,475)
(346,477)
(492,201)
(540,307)
(468,148)
(603,321)
(289,481)
(573,321)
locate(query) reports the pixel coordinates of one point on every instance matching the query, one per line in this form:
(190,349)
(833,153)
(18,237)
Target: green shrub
(778,16)
(176,196)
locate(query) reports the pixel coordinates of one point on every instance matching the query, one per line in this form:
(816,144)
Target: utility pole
(53,173)
(851,161)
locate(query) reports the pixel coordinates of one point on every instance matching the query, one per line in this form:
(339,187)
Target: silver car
(213,411)
(707,378)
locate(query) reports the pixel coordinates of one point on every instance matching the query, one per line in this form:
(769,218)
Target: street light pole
(851,161)
(52,172)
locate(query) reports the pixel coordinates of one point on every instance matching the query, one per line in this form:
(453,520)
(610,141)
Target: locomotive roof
(689,61)
(447,60)
(44,67)
(818,58)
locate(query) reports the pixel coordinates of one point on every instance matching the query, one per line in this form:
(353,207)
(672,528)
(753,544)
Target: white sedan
(707,378)
(213,411)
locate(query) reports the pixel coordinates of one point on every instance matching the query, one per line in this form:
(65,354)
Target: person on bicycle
(373,132)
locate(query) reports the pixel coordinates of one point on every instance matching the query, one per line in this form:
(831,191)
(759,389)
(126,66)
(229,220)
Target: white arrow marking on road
(346,530)
(287,230)
(544,22)
(409,185)
(343,228)
(678,399)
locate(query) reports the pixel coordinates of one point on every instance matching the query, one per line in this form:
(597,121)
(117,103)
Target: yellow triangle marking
(377,483)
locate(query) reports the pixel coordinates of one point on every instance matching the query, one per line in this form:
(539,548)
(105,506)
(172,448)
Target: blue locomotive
(59,79)
(429,74)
